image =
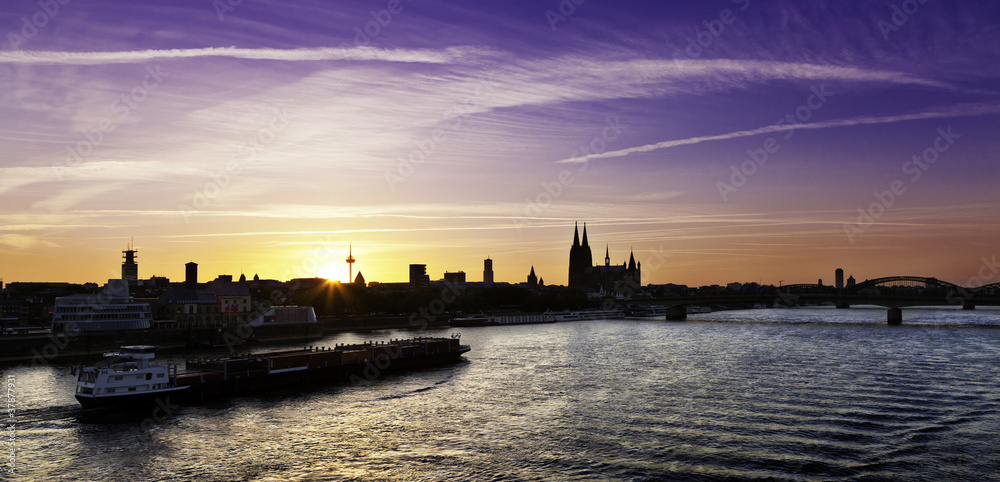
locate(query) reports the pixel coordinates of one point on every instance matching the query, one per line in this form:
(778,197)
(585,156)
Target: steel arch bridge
(994,286)
(891,292)
(903,281)
(890,282)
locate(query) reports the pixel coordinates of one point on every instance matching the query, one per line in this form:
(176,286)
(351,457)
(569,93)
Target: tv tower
(350,263)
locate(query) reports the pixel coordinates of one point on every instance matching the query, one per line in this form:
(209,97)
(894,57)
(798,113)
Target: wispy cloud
(291,55)
(749,70)
(20,241)
(956,111)
(104,171)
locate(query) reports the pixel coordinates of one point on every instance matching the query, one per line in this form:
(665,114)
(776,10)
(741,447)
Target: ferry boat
(126,377)
(129,378)
(506,319)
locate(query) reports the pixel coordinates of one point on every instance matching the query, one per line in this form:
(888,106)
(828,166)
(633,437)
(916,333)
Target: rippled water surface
(786,394)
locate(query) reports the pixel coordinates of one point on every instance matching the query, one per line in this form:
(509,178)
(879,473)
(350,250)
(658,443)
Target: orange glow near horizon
(696,253)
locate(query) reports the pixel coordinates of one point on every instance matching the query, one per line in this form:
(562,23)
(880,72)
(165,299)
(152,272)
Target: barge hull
(312,367)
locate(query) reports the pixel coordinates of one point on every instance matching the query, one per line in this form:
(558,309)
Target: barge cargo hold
(129,378)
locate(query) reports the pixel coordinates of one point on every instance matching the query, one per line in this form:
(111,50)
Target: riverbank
(43,348)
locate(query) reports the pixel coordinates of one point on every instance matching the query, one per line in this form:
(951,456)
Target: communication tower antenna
(350,262)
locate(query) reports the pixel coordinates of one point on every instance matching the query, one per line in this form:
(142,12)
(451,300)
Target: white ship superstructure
(503,319)
(112,309)
(126,378)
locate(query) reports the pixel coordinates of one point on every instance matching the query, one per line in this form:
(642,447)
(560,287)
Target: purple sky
(264,137)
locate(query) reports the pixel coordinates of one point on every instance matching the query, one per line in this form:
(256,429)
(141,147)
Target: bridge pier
(968,306)
(677,313)
(895,316)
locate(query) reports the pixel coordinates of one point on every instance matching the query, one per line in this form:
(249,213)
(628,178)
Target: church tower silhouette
(583,275)
(580,260)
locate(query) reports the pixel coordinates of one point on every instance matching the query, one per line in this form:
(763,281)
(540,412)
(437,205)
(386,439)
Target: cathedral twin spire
(576,236)
(607,252)
(583,274)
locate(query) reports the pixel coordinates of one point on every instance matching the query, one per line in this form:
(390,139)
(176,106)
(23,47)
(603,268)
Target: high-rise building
(191,275)
(418,276)
(456,277)
(488,271)
(130,270)
(840,278)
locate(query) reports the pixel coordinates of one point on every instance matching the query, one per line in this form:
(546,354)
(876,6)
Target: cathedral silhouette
(608,278)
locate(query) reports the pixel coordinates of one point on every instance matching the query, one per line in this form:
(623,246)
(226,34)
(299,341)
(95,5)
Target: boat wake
(48,414)
(415,391)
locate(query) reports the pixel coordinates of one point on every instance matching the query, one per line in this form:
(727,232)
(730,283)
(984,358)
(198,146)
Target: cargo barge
(130,378)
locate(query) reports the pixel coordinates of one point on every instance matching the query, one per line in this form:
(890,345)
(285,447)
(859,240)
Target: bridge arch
(992,286)
(903,281)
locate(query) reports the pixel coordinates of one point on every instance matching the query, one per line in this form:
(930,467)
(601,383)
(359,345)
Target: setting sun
(331,272)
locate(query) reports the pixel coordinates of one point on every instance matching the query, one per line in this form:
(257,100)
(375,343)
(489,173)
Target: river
(805,394)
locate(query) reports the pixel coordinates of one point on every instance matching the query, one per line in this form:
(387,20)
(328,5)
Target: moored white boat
(503,319)
(112,309)
(586,315)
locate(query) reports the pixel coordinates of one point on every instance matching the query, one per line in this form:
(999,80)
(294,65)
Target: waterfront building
(9,311)
(190,308)
(285,315)
(233,299)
